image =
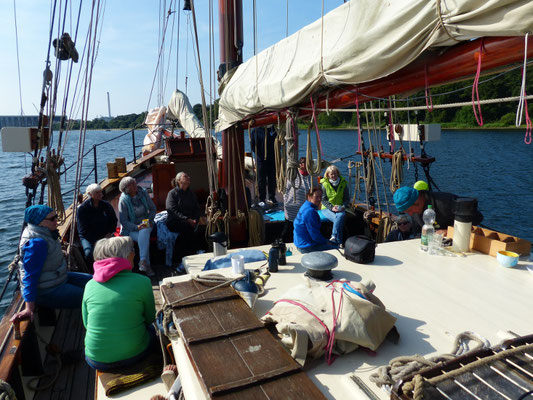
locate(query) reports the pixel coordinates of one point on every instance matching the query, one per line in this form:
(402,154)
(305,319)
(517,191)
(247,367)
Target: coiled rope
(256,234)
(396,174)
(280,153)
(401,367)
(6,391)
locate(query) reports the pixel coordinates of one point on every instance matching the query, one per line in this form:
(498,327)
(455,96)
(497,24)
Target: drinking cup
(237,264)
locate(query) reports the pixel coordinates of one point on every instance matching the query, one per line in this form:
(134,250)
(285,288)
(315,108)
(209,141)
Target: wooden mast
(231,43)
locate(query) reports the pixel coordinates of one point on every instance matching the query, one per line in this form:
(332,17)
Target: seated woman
(293,198)
(335,199)
(135,206)
(44,278)
(183,212)
(404,230)
(96,219)
(118,308)
(307,236)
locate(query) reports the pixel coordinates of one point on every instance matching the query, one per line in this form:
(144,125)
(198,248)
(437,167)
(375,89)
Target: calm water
(496,167)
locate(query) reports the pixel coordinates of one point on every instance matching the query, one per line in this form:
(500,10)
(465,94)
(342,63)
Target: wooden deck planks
(76,378)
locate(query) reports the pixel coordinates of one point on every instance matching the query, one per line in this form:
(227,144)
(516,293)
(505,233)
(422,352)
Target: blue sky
(128,49)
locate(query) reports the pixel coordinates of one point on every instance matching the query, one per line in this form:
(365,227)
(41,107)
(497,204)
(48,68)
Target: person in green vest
(335,199)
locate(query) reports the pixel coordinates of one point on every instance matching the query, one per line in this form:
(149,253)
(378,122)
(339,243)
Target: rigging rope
(18,57)
(211,155)
(522,103)
(475,88)
(280,153)
(313,169)
(396,175)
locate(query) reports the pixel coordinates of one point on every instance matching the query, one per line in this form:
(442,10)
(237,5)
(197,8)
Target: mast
(108,105)
(231,43)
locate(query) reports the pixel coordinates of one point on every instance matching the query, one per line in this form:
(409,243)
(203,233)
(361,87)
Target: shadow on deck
(76,380)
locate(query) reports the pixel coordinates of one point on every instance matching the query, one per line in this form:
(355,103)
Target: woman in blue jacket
(44,278)
(307,236)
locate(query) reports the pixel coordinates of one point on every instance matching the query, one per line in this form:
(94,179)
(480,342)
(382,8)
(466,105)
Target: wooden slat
(296,386)
(183,289)
(240,360)
(10,346)
(217,319)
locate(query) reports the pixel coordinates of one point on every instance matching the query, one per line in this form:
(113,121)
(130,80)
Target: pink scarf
(107,268)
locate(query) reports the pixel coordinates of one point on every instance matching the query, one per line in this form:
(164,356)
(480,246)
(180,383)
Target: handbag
(360,249)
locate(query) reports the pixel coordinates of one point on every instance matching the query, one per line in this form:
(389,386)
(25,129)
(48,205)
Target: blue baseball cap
(405,197)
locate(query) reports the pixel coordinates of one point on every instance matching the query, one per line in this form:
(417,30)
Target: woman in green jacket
(118,308)
(335,199)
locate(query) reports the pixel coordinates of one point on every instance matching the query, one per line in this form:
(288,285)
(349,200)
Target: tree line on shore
(494,115)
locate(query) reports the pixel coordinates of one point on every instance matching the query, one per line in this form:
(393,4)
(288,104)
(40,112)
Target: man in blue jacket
(307,236)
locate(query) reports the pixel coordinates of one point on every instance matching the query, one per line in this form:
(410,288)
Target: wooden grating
(502,373)
(232,353)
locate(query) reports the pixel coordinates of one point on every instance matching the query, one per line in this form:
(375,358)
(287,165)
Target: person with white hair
(96,219)
(183,213)
(404,230)
(118,308)
(134,208)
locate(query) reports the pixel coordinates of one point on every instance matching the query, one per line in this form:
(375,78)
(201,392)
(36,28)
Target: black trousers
(266,177)
(287,232)
(186,243)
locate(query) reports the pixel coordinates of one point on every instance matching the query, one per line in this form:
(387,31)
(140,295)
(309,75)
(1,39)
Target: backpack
(360,249)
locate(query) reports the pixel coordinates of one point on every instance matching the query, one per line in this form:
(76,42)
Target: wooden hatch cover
(233,354)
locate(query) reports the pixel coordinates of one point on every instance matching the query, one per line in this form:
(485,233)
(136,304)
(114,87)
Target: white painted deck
(434,298)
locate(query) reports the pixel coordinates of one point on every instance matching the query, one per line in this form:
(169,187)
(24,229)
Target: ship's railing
(93,150)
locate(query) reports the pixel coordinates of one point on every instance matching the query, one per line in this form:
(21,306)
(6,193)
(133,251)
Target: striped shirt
(295,195)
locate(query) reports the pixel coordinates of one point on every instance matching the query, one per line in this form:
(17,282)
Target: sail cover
(361,41)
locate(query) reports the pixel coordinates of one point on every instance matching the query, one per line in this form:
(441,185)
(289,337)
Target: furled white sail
(360,41)
(180,108)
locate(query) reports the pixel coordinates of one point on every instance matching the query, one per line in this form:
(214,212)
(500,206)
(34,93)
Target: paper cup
(237,264)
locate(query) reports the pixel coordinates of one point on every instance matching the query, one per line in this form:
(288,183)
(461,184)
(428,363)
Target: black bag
(360,249)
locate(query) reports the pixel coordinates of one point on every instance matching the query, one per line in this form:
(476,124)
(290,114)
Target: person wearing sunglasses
(404,230)
(44,278)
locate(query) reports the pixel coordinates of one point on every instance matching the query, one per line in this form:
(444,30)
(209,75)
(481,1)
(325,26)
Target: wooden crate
(490,242)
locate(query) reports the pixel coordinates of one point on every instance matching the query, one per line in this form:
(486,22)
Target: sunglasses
(52,218)
(403,223)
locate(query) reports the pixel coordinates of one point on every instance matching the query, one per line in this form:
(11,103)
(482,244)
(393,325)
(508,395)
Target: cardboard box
(490,242)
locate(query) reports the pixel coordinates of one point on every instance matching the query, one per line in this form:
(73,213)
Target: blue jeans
(66,295)
(101,366)
(317,247)
(338,222)
(87,248)
(142,238)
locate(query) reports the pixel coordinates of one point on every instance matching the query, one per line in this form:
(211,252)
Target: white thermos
(465,210)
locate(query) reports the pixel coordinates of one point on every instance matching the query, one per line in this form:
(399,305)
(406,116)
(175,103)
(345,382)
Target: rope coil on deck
(401,367)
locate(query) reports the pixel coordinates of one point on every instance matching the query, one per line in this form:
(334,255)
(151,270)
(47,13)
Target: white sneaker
(332,239)
(144,267)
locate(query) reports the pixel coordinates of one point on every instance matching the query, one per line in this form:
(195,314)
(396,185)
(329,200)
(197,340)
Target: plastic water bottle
(427,230)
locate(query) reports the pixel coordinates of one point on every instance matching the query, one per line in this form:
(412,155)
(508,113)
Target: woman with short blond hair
(335,200)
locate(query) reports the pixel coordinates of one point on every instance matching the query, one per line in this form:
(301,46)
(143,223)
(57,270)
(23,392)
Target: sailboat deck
(434,298)
(75,379)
